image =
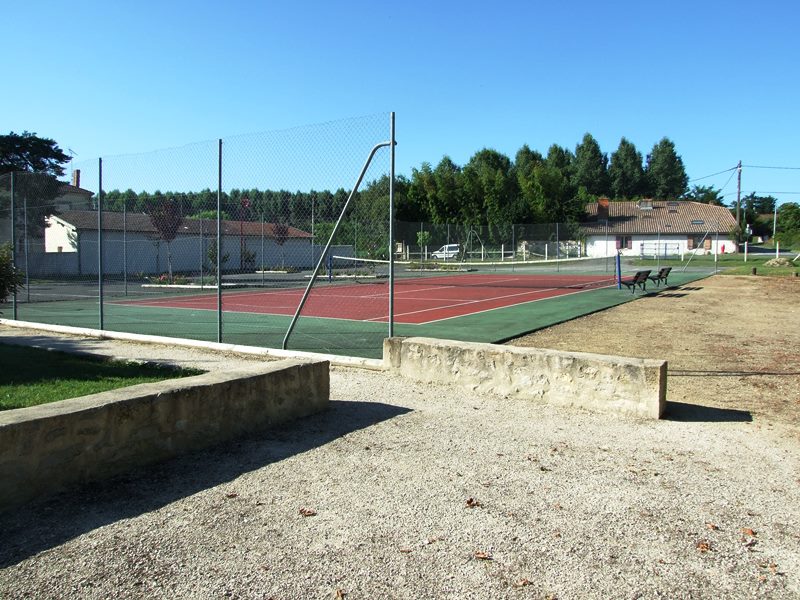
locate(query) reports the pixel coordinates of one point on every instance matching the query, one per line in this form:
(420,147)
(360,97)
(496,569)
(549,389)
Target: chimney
(602,209)
(76,178)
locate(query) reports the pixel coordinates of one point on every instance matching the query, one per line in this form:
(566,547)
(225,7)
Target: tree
(665,174)
(590,167)
(280,233)
(10,277)
(490,189)
(448,185)
(626,172)
(788,224)
(166,217)
(422,201)
(706,194)
(37,162)
(212,258)
(28,152)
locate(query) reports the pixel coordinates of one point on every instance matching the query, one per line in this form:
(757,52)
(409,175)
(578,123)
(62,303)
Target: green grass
(31,376)
(728,264)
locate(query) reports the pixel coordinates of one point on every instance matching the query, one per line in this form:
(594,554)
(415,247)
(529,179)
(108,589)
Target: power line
(733,172)
(733,168)
(763,167)
(763,193)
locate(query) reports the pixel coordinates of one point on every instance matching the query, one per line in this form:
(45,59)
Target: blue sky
(719,79)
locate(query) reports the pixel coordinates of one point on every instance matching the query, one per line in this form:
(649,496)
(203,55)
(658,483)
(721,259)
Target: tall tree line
(491,189)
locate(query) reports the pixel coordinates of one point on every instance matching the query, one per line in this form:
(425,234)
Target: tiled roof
(664,217)
(140,223)
(68,188)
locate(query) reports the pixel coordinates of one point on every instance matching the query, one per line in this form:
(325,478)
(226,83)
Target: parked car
(447,251)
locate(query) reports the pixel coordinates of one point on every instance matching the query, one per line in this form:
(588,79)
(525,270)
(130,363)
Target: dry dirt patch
(731,343)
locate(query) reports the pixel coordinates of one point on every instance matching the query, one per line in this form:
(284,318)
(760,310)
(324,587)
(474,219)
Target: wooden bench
(640,279)
(662,275)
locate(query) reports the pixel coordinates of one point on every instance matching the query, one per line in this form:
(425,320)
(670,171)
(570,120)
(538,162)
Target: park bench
(662,275)
(640,279)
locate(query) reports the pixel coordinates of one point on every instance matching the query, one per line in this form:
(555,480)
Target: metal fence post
(219,242)
(100,238)
(125,244)
(13,247)
(391,224)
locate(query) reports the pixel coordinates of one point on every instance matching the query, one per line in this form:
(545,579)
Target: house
(657,227)
(132,244)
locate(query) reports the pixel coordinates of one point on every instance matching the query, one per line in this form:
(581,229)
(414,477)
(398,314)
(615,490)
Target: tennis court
(420,300)
(347,310)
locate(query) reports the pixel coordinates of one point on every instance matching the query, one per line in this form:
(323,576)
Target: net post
(618,270)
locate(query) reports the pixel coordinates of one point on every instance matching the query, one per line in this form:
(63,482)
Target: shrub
(10,277)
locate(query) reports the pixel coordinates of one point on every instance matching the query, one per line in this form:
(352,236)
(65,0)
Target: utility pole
(739,194)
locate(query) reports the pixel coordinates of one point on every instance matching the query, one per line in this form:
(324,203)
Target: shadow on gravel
(696,413)
(44,525)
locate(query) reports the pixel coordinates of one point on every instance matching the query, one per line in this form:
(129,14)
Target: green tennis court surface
(347,337)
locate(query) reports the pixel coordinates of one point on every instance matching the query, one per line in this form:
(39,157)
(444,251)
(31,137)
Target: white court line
(516,304)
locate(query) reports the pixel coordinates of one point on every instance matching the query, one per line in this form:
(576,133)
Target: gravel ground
(402,490)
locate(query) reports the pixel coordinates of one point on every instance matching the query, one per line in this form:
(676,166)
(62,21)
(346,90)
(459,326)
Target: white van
(445,252)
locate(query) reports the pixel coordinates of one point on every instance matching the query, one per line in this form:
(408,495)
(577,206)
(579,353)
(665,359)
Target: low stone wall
(614,384)
(47,448)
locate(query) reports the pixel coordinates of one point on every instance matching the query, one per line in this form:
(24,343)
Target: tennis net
(579,273)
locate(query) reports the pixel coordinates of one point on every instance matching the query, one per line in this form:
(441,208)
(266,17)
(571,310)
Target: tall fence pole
(125,244)
(391,224)
(100,238)
(219,242)
(25,247)
(13,246)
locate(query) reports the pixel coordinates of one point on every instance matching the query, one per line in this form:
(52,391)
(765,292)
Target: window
(624,241)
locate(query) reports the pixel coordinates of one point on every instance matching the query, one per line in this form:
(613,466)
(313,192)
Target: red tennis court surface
(417,301)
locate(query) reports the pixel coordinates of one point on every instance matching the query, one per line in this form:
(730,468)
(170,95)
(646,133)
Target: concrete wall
(47,448)
(611,384)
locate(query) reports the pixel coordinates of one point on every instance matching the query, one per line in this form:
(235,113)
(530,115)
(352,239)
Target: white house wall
(142,254)
(600,246)
(59,236)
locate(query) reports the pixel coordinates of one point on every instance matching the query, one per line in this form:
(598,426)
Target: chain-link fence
(213,241)
(220,241)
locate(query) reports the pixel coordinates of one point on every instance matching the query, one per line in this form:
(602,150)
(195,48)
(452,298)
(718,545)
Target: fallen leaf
(748,531)
(340,594)
(523,582)
(750,544)
(482,555)
(432,540)
(712,527)
(545,469)
(308,512)
(405,550)
(231,495)
(472,503)
(703,546)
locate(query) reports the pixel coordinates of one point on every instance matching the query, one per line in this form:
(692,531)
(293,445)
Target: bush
(10,277)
